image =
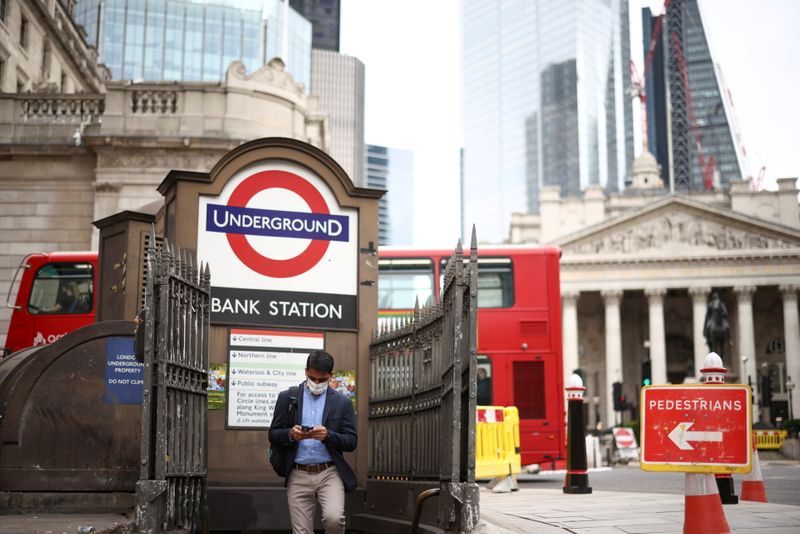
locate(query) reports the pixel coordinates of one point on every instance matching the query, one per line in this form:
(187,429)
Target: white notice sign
(261,364)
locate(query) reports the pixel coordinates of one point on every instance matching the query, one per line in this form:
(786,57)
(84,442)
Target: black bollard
(714,373)
(577,478)
(727,493)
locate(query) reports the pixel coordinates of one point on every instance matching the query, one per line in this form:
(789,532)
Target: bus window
(402,281)
(495,282)
(62,288)
(484,381)
(529,389)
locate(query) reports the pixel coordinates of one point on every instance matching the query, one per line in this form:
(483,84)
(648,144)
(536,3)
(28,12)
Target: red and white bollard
(714,373)
(577,478)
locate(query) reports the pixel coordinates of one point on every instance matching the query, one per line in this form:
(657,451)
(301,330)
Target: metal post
(577,479)
(714,373)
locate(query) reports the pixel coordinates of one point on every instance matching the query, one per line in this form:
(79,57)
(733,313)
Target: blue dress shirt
(312,451)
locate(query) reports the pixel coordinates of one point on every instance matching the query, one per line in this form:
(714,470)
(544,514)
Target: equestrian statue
(716,327)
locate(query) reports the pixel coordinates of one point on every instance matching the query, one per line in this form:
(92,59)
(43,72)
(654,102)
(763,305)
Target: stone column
(699,301)
(569,333)
(791,334)
(658,347)
(747,342)
(613,349)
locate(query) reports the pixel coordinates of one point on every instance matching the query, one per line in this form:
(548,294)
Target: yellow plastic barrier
(770,439)
(497,442)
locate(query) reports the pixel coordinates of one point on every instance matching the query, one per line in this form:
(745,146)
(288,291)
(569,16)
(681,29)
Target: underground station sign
(700,428)
(284,253)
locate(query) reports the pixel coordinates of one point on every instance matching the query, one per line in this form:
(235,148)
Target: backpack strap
(292,411)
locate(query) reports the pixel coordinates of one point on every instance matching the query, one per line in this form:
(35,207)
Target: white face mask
(317,389)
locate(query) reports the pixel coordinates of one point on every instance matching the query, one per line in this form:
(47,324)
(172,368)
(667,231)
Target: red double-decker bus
(519,330)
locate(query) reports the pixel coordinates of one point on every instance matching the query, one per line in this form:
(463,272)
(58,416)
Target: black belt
(313,468)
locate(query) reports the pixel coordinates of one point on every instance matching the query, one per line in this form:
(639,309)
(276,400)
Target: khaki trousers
(305,489)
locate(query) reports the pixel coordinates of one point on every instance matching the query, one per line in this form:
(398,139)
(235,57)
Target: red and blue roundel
(237,221)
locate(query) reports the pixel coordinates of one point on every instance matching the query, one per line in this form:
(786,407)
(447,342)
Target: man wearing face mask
(324,429)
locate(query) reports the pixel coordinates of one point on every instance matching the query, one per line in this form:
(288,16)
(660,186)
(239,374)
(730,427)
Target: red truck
(55,296)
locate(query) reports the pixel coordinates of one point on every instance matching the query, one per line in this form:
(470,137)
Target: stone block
(791,448)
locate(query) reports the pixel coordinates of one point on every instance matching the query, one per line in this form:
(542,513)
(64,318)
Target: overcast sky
(412,53)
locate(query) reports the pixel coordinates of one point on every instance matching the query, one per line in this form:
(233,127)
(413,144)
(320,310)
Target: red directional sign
(701,428)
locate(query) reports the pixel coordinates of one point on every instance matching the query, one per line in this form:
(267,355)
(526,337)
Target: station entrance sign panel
(283,251)
(700,428)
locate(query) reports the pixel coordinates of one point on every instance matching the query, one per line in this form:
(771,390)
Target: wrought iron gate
(171,491)
(422,398)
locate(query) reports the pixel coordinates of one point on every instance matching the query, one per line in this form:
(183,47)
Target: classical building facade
(637,271)
(41,49)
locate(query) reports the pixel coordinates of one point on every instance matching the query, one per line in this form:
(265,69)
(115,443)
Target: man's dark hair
(319,360)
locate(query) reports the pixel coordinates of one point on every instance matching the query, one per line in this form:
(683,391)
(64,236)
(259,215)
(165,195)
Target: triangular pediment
(677,226)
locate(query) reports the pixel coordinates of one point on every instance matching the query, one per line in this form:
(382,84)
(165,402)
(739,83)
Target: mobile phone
(305,428)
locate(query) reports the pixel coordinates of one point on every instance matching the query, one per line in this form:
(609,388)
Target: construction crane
(637,88)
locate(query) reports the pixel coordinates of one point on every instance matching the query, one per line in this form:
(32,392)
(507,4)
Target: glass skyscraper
(543,104)
(393,169)
(682,63)
(325,17)
(194,40)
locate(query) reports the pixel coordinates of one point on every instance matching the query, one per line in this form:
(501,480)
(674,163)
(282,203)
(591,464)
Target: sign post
(696,428)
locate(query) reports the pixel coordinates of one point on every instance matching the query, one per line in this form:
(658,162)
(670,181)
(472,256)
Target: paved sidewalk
(63,523)
(548,511)
(527,511)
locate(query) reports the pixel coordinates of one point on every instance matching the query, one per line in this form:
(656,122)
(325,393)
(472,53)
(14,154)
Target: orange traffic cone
(753,483)
(703,513)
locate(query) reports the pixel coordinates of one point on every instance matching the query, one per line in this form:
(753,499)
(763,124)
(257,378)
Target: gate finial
(473,245)
(192,270)
(206,277)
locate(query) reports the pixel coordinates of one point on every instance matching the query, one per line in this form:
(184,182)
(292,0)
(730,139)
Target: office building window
(2,71)
(3,10)
(23,32)
(46,61)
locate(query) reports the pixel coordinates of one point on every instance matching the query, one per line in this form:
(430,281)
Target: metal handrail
(418,507)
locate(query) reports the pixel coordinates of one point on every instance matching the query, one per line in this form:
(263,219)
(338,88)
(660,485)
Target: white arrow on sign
(681,436)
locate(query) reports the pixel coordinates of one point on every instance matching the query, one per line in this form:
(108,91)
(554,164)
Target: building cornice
(733,256)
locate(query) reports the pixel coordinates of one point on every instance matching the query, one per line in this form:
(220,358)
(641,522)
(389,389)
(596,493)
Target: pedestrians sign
(699,428)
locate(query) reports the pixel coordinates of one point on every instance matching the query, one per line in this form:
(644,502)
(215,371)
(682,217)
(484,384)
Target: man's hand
(296,433)
(319,433)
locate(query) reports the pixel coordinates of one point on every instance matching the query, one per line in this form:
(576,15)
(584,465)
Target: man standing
(324,429)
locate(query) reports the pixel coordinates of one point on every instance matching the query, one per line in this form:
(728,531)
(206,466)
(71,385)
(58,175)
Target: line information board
(261,364)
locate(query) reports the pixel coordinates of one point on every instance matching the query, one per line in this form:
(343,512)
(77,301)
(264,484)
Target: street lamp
(789,388)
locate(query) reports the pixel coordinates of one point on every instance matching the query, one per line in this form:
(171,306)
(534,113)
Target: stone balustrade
(74,108)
